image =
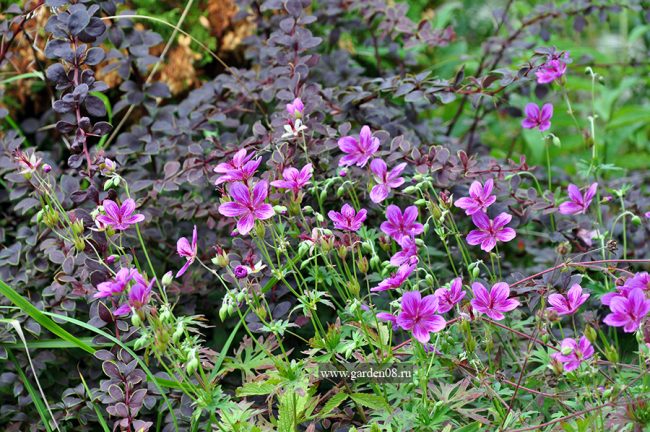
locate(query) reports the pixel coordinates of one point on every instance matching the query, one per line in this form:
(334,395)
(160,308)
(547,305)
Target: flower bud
(260,230)
(409,189)
(343,173)
(192,366)
(280,209)
(354,288)
(636,220)
(223,310)
(47,168)
(221,259)
(178,332)
(135,320)
(611,354)
(79,244)
(167,279)
(340,191)
(342,251)
(566,350)
(362,263)
(78,226)
(421,202)
(140,342)
(591,334)
(429,279)
(375,261)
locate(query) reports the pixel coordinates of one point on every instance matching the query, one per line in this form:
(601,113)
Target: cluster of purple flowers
(421,315)
(573,353)
(488,231)
(629,304)
(403,228)
(247,205)
(569,304)
(138,294)
(553,69)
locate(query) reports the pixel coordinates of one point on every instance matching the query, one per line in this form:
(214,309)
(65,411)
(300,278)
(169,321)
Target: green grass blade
(36,397)
(27,307)
(100,416)
(122,345)
(58,344)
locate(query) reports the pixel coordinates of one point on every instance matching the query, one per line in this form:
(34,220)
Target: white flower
(293,131)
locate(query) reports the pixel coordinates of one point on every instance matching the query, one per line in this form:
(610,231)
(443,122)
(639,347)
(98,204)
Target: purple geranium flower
(396,279)
(294,179)
(639,281)
(409,252)
(401,225)
(359,151)
(348,219)
(240,169)
(494,302)
(578,203)
(120,217)
(138,296)
(385,316)
(536,118)
(490,231)
(628,312)
(573,353)
(385,180)
(246,206)
(568,305)
(187,250)
(117,284)
(479,199)
(419,315)
(551,70)
(296,108)
(240,272)
(448,298)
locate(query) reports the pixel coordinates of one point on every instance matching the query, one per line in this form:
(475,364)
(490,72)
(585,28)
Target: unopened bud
(591,334)
(135,320)
(167,279)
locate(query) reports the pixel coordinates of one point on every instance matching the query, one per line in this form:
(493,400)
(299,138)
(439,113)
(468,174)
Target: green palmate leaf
(334,402)
(257,388)
(371,401)
(38,316)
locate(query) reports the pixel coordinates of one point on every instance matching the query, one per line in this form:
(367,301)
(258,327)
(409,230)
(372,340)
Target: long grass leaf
(38,316)
(122,345)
